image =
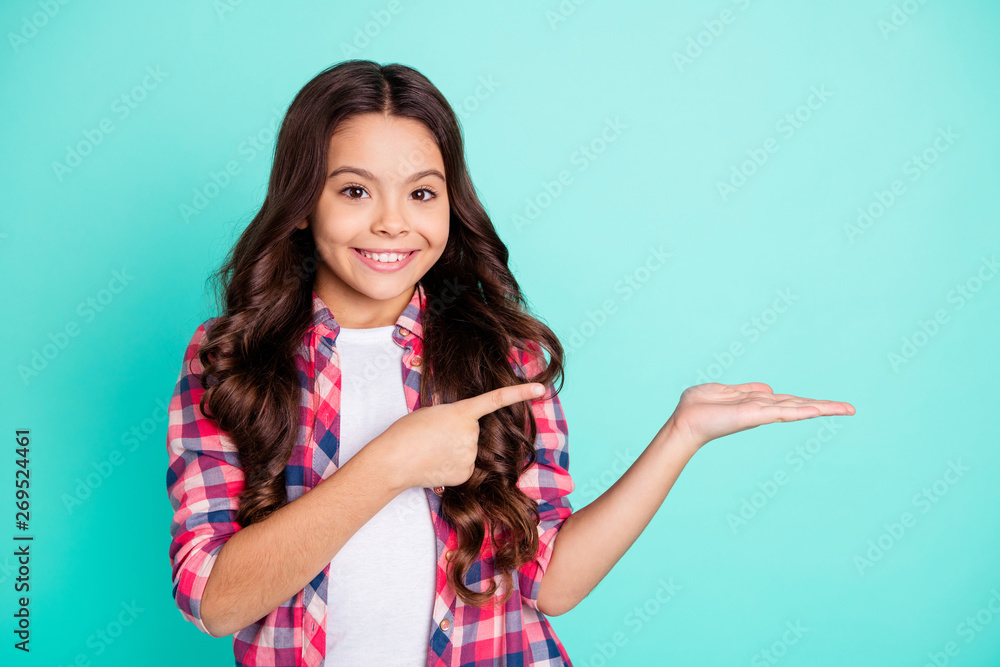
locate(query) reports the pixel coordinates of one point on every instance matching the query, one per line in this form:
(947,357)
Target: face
(384,191)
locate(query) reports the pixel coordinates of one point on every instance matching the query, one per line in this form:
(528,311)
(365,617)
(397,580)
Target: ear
(302,224)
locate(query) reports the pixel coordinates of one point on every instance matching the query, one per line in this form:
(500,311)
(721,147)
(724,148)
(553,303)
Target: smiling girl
(368,456)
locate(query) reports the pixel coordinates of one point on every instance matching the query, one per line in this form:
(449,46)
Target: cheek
(339,252)
(441,228)
(331,251)
(331,231)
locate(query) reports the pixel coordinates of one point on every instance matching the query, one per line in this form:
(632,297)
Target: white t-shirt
(382,582)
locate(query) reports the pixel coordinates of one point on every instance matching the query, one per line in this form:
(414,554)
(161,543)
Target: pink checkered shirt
(204,480)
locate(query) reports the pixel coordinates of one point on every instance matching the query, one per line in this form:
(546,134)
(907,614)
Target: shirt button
(312,626)
(445,624)
(416,361)
(404,331)
(439,490)
(448,554)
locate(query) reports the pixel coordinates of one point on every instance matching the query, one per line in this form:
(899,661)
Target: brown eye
(350,190)
(425,197)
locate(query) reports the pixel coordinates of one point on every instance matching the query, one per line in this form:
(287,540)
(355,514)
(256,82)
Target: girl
(368,458)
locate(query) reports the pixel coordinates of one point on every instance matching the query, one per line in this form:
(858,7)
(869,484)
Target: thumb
(479,406)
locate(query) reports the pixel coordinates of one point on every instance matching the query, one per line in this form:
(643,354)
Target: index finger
(482,405)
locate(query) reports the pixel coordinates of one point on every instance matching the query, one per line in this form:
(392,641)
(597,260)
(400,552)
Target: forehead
(388,145)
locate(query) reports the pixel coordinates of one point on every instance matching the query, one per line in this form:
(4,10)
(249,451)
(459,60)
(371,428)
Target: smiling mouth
(384,257)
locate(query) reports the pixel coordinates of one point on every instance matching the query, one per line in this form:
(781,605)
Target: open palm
(709,411)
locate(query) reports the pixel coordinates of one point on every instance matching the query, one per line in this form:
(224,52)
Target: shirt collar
(409,319)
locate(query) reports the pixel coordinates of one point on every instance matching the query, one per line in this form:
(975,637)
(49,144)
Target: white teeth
(387,257)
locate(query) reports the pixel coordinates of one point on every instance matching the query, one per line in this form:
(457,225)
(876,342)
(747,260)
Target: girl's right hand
(437,445)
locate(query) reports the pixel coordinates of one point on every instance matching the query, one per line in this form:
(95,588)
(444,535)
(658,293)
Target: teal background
(227,67)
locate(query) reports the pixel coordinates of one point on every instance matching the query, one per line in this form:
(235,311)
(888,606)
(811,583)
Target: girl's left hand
(709,411)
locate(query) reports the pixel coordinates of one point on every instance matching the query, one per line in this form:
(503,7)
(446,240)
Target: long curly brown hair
(264,293)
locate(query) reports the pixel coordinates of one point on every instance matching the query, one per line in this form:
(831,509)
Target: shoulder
(192,362)
(528,357)
(202,330)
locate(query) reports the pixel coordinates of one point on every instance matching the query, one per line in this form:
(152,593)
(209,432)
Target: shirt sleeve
(204,480)
(547,480)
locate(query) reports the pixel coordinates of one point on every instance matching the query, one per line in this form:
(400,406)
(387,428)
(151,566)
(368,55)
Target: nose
(390,220)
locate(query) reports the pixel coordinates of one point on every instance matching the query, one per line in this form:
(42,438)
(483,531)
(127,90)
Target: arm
(270,561)
(595,537)
(225,577)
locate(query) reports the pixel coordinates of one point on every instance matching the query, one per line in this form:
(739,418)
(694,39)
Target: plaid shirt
(204,480)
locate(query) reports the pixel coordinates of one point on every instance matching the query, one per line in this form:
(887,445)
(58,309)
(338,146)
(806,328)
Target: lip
(376,251)
(379,266)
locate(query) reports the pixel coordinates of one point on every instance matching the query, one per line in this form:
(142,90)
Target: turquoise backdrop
(803,194)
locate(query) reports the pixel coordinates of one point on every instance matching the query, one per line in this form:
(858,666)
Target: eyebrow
(367,174)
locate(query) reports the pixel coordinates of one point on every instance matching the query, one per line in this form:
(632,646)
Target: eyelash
(355,186)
